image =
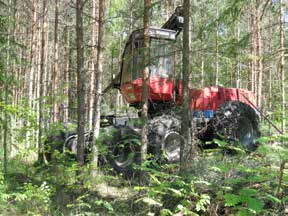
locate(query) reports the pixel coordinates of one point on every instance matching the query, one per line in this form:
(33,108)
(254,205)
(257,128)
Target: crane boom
(175,22)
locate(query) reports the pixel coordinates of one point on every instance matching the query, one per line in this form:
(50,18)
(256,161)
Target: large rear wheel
(236,121)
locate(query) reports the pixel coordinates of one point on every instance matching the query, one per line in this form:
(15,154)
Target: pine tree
(145,78)
(55,75)
(282,65)
(98,83)
(42,79)
(81,84)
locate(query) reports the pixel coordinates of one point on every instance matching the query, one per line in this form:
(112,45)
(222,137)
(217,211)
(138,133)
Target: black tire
(124,147)
(236,121)
(165,137)
(52,143)
(70,147)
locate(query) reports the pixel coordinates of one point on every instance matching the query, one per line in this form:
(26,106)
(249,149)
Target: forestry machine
(217,112)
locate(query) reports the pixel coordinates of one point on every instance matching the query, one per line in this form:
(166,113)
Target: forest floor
(215,183)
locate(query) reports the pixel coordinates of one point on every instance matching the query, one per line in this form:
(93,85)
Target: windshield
(161,58)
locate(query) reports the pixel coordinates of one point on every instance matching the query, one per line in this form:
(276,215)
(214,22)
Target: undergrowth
(215,183)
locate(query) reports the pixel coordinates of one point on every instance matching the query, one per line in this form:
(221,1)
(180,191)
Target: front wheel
(165,137)
(123,149)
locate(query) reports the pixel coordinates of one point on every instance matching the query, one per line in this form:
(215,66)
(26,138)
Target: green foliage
(216,181)
(242,184)
(35,199)
(245,198)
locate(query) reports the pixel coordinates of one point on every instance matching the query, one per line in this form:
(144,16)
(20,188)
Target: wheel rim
(245,133)
(171,146)
(124,153)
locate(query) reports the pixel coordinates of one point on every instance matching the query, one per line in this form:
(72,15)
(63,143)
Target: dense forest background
(55,53)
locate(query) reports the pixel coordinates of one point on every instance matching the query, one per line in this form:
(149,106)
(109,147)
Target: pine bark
(167,9)
(67,60)
(282,65)
(6,92)
(98,83)
(42,79)
(31,74)
(119,99)
(270,65)
(217,46)
(145,79)
(131,20)
(186,113)
(259,58)
(81,82)
(55,76)
(92,64)
(238,62)
(251,75)
(202,54)
(37,75)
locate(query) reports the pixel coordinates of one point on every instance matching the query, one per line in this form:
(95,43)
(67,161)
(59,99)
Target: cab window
(127,65)
(161,58)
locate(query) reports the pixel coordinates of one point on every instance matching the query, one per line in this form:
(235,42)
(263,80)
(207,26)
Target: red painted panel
(160,89)
(210,98)
(247,97)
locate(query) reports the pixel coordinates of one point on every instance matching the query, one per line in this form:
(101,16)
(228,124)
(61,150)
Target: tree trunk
(6,92)
(217,46)
(67,70)
(81,82)
(202,53)
(91,65)
(98,83)
(145,79)
(238,64)
(259,58)
(38,75)
(32,69)
(131,17)
(282,64)
(16,77)
(55,76)
(119,97)
(167,9)
(42,79)
(251,80)
(270,65)
(186,113)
